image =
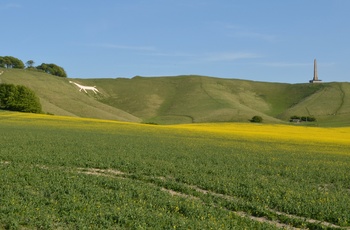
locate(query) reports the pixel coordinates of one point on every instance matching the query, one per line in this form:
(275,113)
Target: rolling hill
(187,99)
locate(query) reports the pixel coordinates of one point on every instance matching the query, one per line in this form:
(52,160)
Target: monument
(315,79)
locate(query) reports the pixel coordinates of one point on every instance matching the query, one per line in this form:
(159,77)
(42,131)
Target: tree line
(302,118)
(10,62)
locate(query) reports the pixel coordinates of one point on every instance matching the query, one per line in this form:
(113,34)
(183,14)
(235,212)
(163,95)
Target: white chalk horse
(83,87)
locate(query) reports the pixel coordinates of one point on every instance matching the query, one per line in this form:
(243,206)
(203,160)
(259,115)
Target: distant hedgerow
(19,98)
(302,118)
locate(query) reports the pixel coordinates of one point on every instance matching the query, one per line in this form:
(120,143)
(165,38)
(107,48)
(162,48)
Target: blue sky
(272,40)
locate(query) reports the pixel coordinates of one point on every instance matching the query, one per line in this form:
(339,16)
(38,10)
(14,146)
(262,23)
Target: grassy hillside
(59,97)
(330,105)
(203,99)
(188,99)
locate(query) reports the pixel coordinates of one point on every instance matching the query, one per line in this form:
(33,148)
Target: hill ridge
(187,98)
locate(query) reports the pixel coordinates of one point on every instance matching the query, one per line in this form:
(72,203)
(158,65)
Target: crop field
(74,173)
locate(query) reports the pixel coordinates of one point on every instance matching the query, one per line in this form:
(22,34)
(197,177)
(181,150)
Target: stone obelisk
(315,78)
(315,71)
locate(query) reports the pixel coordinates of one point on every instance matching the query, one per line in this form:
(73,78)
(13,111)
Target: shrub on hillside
(18,98)
(11,62)
(52,69)
(256,119)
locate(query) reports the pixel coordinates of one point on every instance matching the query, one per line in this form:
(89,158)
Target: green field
(187,99)
(73,173)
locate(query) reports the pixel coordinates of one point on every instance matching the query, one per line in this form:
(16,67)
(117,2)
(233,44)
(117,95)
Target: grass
(72,173)
(59,97)
(188,99)
(330,105)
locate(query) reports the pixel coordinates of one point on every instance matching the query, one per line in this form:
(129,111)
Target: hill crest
(186,99)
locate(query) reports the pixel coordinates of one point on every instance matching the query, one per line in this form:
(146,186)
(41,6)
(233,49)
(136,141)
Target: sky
(271,40)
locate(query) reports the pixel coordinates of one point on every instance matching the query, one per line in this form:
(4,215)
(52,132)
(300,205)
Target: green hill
(186,99)
(59,97)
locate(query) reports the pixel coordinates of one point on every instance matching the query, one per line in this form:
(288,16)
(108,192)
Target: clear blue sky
(272,40)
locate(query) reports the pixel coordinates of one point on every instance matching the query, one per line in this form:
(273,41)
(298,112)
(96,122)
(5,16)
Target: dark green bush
(52,69)
(19,98)
(256,119)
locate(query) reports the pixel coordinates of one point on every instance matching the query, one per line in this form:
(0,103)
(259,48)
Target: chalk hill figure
(83,87)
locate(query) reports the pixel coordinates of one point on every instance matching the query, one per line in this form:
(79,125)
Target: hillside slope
(187,99)
(330,105)
(59,97)
(202,99)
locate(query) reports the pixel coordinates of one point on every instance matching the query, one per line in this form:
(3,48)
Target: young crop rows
(69,173)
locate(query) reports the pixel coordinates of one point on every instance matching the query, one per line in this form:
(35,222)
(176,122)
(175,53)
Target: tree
(256,119)
(19,98)
(30,64)
(2,62)
(295,117)
(7,95)
(311,118)
(11,62)
(52,69)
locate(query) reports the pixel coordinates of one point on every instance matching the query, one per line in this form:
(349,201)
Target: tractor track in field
(119,174)
(122,175)
(113,173)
